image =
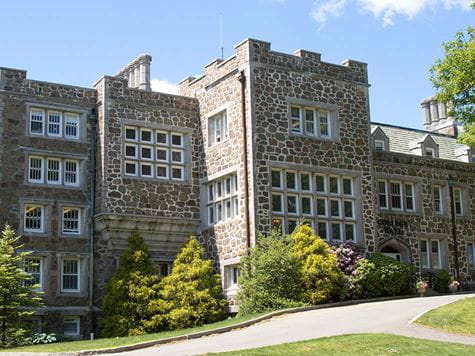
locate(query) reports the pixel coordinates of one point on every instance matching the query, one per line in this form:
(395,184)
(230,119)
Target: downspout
(92,203)
(454,231)
(242,80)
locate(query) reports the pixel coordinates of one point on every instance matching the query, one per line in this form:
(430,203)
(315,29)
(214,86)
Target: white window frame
(72,319)
(76,172)
(218,130)
(135,163)
(428,244)
(379,145)
(231,273)
(39,273)
(391,195)
(294,119)
(58,124)
(458,198)
(406,196)
(431,150)
(281,179)
(59,171)
(42,218)
(440,210)
(78,289)
(41,169)
(152,136)
(219,203)
(79,230)
(43,121)
(381,194)
(135,129)
(313,122)
(328,123)
(311,204)
(136,148)
(152,169)
(70,118)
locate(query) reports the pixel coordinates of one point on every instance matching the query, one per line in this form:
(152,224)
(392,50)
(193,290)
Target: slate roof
(402,139)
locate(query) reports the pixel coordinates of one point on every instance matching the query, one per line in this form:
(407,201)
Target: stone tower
(437,119)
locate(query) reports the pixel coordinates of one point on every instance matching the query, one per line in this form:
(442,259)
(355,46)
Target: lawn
(108,343)
(457,317)
(361,345)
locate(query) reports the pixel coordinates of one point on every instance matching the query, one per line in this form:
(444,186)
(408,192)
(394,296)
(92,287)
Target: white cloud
(321,12)
(384,9)
(164,86)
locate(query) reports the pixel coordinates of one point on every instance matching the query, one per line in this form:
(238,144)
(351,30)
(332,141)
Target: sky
(76,42)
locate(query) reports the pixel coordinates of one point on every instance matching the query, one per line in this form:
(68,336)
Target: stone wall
(424,223)
(164,211)
(17,96)
(280,79)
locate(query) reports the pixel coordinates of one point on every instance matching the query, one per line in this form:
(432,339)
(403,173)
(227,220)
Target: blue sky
(76,42)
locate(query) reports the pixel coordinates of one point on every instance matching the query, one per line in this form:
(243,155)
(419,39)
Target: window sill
(399,212)
(316,138)
(156,180)
(214,145)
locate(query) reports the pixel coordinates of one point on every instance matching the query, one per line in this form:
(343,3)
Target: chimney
(436,118)
(137,72)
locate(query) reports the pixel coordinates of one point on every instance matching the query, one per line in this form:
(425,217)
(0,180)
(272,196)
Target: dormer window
(429,152)
(379,145)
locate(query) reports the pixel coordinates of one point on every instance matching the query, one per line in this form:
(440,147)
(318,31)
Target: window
(430,254)
(223,203)
(379,145)
(37,118)
(34,266)
(326,202)
(35,170)
(71,221)
(70,275)
(164,269)
(310,121)
(71,325)
(53,171)
(71,172)
(471,254)
(55,123)
(154,154)
(458,201)
(71,125)
(217,128)
(398,196)
(231,274)
(429,152)
(33,218)
(437,199)
(58,171)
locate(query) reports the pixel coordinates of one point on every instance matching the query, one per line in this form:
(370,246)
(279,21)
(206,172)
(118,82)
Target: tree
(321,279)
(15,291)
(454,79)
(191,294)
(130,291)
(270,276)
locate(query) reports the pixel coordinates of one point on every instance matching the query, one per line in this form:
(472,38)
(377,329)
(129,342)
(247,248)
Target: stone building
(262,139)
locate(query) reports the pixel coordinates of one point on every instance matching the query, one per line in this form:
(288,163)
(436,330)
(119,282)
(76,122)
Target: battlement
(259,53)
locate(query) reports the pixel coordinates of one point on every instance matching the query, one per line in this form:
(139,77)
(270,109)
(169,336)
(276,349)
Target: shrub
(381,275)
(347,259)
(441,282)
(132,288)
(191,294)
(321,278)
(17,296)
(269,277)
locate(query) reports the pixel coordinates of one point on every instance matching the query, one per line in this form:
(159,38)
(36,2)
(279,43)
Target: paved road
(388,317)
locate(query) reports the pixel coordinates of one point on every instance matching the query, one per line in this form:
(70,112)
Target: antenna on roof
(221,35)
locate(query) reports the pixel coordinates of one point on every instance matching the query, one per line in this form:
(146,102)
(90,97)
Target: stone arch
(396,247)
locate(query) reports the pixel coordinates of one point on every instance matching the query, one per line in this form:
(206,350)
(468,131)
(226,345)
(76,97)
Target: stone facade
(262,139)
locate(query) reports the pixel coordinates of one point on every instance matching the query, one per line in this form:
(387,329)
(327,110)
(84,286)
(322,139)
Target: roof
(402,139)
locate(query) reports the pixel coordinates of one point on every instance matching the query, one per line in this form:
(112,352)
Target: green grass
(457,317)
(361,345)
(108,343)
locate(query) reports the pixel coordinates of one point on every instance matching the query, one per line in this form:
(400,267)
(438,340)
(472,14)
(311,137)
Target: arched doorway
(396,249)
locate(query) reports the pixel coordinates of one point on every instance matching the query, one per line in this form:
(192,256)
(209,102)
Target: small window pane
(347,186)
(131,151)
(54,123)
(348,209)
(321,207)
(276,179)
(177,139)
(162,154)
(177,173)
(350,232)
(34,218)
(305,181)
(291,204)
(71,125)
(322,230)
(334,185)
(36,121)
(146,135)
(335,208)
(177,156)
(131,168)
(162,138)
(292,224)
(71,220)
(336,231)
(307,205)
(320,183)
(146,152)
(162,171)
(145,170)
(131,133)
(291,180)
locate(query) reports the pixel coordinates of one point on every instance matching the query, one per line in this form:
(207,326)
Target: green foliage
(454,78)
(130,291)
(15,293)
(191,294)
(269,277)
(441,282)
(321,278)
(381,275)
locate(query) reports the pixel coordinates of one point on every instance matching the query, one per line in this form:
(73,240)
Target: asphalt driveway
(389,317)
